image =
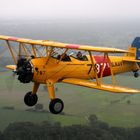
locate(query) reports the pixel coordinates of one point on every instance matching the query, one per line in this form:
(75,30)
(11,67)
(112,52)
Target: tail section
(133,56)
(136,45)
(134,51)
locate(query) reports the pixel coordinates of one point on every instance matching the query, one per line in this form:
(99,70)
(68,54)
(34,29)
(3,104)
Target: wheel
(30,99)
(136,74)
(56,106)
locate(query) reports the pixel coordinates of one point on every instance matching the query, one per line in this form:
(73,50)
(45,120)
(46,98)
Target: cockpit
(66,56)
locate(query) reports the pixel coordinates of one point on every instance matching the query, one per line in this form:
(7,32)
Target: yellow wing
(105,87)
(63,45)
(11,67)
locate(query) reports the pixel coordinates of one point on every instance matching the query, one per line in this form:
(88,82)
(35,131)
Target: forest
(95,130)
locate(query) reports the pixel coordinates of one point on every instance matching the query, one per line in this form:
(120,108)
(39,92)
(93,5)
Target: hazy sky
(70,8)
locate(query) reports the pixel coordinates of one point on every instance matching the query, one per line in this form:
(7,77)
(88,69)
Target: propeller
(24,70)
(10,80)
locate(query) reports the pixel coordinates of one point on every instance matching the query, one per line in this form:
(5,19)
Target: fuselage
(56,70)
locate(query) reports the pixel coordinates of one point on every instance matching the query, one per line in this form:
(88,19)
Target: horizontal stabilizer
(110,88)
(11,67)
(130,59)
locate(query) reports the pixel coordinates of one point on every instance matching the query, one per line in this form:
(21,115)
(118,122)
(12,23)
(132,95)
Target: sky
(70,8)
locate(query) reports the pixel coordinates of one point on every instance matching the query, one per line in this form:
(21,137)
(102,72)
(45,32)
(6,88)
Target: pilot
(79,56)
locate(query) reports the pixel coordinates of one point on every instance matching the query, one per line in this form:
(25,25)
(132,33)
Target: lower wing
(11,67)
(110,88)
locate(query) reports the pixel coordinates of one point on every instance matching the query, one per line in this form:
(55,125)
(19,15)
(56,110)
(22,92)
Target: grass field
(80,102)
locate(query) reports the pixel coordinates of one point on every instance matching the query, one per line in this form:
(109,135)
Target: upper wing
(63,45)
(105,87)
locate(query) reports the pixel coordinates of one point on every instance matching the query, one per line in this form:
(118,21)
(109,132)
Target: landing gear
(30,99)
(56,106)
(136,74)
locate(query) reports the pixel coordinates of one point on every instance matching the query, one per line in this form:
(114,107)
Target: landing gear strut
(30,99)
(56,106)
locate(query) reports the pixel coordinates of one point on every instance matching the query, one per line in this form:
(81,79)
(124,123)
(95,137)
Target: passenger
(32,56)
(65,57)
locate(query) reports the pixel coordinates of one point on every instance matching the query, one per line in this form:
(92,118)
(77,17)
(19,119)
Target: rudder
(136,44)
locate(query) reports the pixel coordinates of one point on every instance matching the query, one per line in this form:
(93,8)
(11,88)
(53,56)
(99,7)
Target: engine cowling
(24,70)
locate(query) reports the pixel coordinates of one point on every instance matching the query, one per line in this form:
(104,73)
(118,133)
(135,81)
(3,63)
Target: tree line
(95,130)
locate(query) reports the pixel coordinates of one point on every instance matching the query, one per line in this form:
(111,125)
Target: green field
(80,102)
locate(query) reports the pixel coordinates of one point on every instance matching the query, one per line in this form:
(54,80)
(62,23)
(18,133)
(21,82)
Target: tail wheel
(56,106)
(30,99)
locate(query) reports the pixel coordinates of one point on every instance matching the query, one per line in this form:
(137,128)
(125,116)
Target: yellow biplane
(47,62)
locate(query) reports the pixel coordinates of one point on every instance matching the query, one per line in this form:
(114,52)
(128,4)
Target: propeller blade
(10,82)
